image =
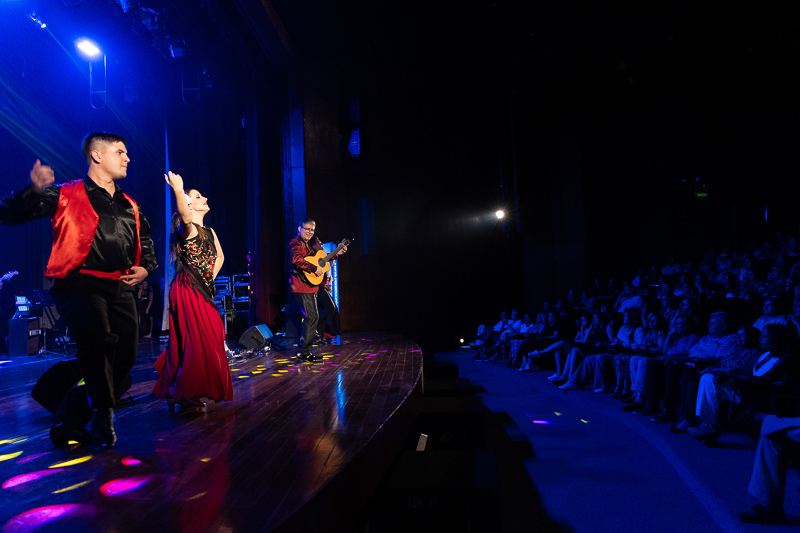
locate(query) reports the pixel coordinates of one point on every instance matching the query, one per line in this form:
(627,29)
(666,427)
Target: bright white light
(88,47)
(500,214)
(462,341)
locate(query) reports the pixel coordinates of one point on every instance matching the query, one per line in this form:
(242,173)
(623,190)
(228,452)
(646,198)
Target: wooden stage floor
(298,445)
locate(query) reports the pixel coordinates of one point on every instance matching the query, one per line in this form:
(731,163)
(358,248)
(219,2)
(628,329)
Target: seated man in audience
(773,366)
(779,441)
(771,315)
(706,352)
(716,384)
(628,299)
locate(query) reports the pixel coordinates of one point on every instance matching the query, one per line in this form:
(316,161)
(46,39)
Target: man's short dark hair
(306,221)
(91,140)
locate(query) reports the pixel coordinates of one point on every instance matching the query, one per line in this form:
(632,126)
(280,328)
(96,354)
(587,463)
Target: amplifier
(24,336)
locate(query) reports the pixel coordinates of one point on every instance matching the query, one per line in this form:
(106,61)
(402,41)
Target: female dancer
(194,364)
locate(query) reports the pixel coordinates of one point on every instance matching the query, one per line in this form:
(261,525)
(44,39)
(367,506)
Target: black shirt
(114,244)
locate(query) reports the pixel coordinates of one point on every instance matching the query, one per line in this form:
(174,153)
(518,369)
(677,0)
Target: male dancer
(101,250)
(305,293)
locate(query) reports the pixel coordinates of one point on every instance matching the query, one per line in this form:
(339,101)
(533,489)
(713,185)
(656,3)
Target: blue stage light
(88,48)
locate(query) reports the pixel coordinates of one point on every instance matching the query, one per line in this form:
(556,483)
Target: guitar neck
(334,252)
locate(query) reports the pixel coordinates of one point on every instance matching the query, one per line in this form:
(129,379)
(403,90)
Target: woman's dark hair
(202,235)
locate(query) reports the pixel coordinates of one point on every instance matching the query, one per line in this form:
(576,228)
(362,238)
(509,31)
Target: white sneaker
(553,377)
(568,386)
(525,368)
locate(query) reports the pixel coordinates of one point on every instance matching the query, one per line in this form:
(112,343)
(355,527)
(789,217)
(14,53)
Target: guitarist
(304,292)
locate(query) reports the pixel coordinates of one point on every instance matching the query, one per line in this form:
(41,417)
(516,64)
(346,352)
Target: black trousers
(308,304)
(103,321)
(328,314)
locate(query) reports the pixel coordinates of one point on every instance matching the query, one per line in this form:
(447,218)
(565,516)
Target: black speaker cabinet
(24,336)
(256,337)
(55,383)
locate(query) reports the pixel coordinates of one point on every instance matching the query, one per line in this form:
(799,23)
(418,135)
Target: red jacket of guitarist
(298,251)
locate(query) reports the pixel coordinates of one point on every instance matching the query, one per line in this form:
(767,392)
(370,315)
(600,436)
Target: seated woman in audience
(687,309)
(677,343)
(555,331)
(774,366)
(655,332)
(597,367)
(589,333)
(533,334)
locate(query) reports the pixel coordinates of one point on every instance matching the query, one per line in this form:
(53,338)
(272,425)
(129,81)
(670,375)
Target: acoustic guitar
(323,261)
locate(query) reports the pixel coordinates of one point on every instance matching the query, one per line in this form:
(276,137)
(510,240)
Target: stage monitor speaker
(55,383)
(24,336)
(256,337)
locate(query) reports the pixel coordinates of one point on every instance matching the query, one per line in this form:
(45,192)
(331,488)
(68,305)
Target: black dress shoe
(103,428)
(62,434)
(314,358)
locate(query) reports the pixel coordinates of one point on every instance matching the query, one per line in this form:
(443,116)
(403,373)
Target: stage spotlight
(36,20)
(88,48)
(500,214)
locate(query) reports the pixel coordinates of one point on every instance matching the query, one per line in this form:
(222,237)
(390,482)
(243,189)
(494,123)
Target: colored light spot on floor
(205,459)
(27,478)
(234,369)
(557,413)
(130,461)
(256,372)
(584,421)
(242,377)
(73,487)
(282,371)
(8,456)
(118,487)
(13,441)
(276,375)
(542,422)
(29,458)
(73,462)
(196,496)
(41,516)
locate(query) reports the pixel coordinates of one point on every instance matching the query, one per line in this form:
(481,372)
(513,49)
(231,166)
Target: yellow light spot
(256,372)
(10,456)
(315,371)
(13,441)
(205,459)
(73,487)
(196,496)
(73,462)
(234,369)
(557,413)
(584,421)
(72,442)
(242,377)
(276,375)
(282,371)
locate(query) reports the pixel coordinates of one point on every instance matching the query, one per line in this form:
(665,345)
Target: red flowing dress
(194,363)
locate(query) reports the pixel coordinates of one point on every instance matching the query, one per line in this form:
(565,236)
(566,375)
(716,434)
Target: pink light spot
(122,486)
(27,478)
(333,364)
(130,461)
(36,518)
(542,422)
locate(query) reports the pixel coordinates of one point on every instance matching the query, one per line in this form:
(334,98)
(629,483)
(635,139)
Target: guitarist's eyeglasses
(312,230)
